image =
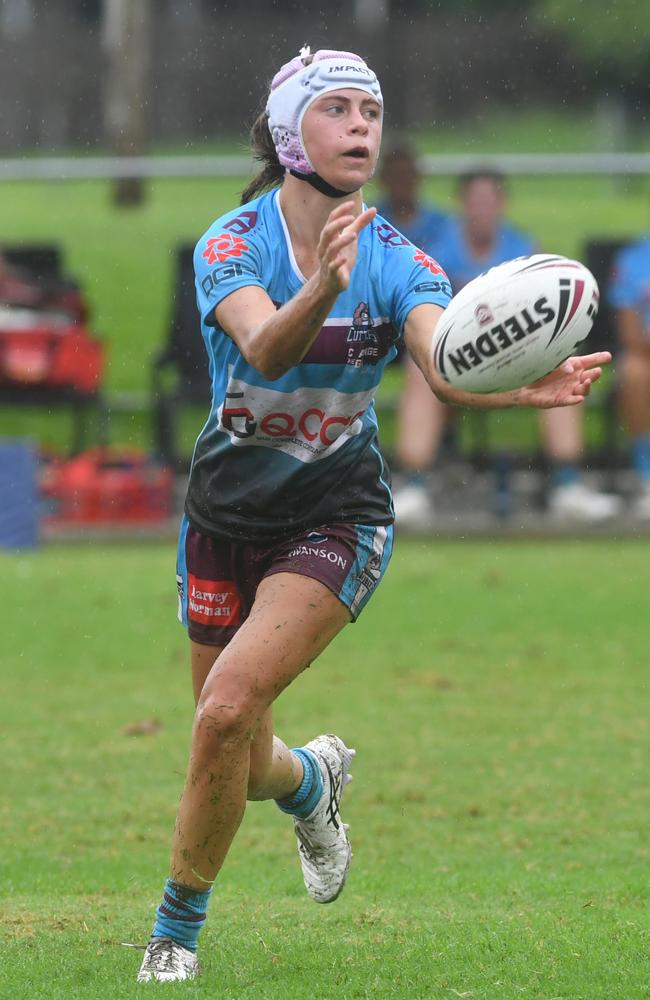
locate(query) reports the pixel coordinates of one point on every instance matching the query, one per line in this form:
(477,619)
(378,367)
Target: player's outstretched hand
(337,247)
(568,384)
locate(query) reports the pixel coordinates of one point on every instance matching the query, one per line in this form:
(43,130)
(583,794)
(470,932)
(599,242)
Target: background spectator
(402,206)
(629,293)
(480,238)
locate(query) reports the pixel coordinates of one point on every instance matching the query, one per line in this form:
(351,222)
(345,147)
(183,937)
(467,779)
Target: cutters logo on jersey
(432,265)
(220,248)
(363,343)
(309,423)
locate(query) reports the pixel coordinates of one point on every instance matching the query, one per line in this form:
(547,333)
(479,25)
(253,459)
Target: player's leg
(292,620)
(305,782)
(202,660)
(350,560)
(218,585)
(312,587)
(273,767)
(633,385)
(561,432)
(215,564)
(562,442)
(421,420)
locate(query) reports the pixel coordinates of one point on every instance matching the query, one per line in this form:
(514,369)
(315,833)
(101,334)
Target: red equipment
(48,350)
(107,485)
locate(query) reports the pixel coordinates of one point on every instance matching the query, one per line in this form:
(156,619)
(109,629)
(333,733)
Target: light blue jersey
(277,457)
(630,284)
(460,263)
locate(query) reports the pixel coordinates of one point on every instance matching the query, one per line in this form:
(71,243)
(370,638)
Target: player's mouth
(358,153)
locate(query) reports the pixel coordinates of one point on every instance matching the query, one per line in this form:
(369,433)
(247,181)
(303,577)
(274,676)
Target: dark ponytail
(272,173)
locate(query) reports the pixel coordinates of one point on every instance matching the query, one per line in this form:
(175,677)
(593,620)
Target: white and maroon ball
(515,323)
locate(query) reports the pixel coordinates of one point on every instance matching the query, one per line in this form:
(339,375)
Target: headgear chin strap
(295,87)
(321,184)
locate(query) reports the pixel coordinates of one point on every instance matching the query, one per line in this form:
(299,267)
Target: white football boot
(167,961)
(323,843)
(578,502)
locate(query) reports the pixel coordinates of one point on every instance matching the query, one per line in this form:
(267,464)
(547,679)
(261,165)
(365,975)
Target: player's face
(342,133)
(483,205)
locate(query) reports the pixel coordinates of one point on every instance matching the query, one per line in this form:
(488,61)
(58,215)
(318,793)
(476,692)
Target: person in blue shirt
(629,293)
(303,293)
(402,206)
(477,239)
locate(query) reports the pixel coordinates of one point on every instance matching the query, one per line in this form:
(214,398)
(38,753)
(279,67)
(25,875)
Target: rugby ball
(515,323)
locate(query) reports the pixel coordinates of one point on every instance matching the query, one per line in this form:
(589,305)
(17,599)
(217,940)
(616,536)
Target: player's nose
(358,123)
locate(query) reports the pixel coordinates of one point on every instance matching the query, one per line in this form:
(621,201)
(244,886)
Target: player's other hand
(568,384)
(337,247)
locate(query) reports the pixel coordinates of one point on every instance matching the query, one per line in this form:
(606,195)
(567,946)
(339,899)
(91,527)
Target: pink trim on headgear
(297,84)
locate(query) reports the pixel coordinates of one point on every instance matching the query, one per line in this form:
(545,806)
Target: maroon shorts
(218,580)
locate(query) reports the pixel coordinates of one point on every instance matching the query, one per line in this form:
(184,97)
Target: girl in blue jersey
(629,294)
(303,293)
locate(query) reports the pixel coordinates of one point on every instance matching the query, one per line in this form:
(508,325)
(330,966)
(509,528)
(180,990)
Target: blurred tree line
(202,64)
(609,38)
(612,37)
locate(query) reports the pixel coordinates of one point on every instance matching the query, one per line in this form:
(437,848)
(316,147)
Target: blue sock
(181,914)
(305,799)
(564,474)
(641,455)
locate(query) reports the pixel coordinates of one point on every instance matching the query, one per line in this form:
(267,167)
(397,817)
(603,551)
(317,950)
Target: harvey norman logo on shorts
(212,602)
(309,423)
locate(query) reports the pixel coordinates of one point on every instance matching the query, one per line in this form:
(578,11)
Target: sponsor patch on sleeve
(426,261)
(220,248)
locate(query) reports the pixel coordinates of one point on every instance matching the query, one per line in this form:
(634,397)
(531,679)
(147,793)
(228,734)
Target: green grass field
(497,695)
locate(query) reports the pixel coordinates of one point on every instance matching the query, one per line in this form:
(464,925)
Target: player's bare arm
(567,385)
(273,341)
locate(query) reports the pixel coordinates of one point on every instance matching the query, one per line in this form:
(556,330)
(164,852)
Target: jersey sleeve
(228,257)
(410,277)
(623,290)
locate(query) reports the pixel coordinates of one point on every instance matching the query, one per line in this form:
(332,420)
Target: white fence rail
(442,164)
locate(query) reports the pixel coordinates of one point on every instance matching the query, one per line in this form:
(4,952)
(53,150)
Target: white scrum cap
(300,82)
